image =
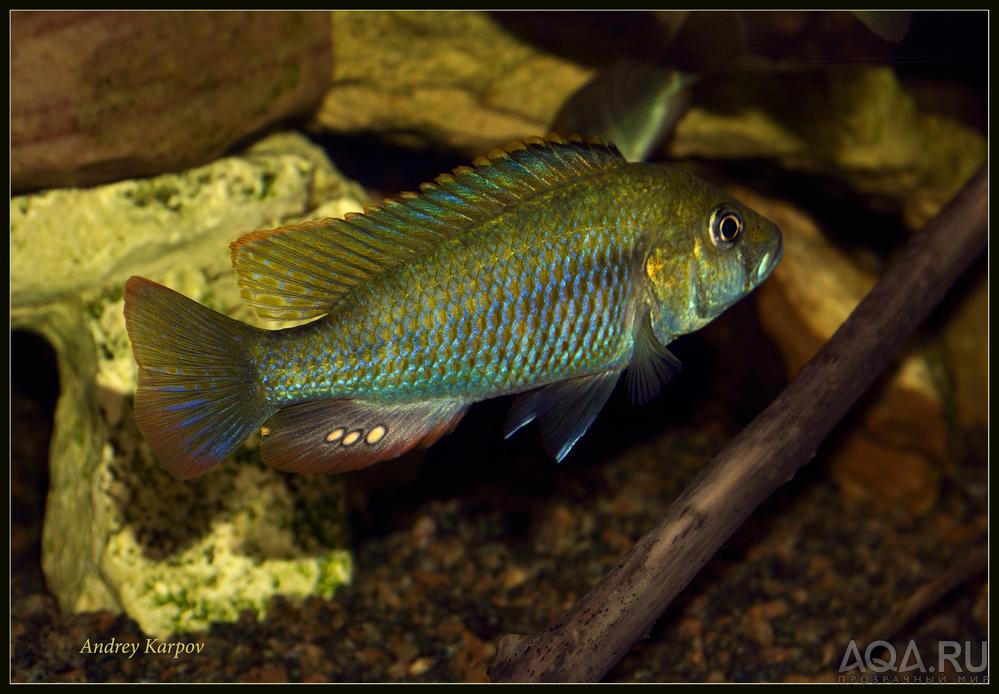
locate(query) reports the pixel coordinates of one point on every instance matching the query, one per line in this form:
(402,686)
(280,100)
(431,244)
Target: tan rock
(812,290)
(966,351)
(101,96)
(452,78)
(902,434)
(872,473)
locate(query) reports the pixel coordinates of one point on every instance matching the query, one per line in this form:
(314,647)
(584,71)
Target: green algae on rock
(119,534)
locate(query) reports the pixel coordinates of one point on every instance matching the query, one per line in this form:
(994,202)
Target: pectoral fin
(341,435)
(564,410)
(652,365)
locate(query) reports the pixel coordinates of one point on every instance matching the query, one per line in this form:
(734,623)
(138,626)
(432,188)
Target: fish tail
(198,397)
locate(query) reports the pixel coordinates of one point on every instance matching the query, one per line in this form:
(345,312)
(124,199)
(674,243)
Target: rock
(966,351)
(101,96)
(900,440)
(62,242)
(452,79)
(873,474)
(813,289)
(857,125)
(120,534)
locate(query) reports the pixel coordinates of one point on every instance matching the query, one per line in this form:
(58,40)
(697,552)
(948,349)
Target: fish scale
(544,270)
(488,351)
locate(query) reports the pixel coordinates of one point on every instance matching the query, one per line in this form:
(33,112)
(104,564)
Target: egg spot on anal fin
(376,435)
(325,435)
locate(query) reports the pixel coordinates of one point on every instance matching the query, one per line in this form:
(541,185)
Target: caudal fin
(197,398)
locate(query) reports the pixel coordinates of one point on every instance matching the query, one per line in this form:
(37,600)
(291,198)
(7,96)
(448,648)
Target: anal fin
(341,435)
(564,410)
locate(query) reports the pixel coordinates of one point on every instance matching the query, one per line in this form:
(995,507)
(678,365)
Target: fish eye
(726,226)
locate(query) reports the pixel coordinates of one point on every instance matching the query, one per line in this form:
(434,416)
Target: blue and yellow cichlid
(545,270)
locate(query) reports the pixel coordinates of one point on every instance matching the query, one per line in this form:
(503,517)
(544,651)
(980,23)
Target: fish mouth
(768,263)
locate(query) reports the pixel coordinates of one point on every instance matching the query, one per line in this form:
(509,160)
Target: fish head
(716,252)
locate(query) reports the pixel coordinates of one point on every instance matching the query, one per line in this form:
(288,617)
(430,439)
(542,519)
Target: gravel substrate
(477,538)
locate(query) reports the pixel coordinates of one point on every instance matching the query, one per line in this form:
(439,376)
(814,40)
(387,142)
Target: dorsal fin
(302,271)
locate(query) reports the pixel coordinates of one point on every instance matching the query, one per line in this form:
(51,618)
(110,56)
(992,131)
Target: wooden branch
(928,594)
(621,609)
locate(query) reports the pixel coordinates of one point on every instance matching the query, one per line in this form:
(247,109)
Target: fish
(634,105)
(890,25)
(544,270)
